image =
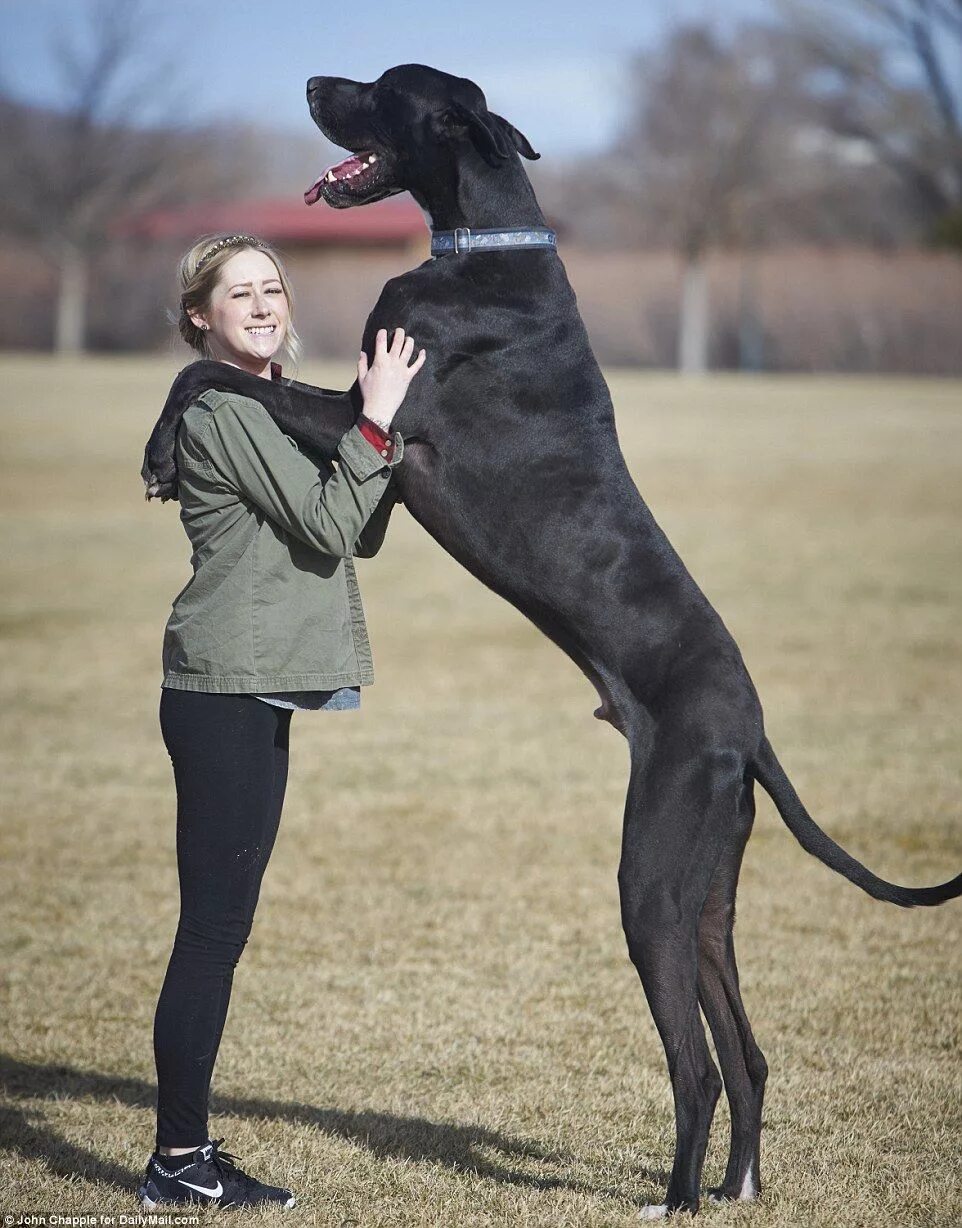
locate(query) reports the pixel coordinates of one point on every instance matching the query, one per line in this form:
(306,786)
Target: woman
(271,621)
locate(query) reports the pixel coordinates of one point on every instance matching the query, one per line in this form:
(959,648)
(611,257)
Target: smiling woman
(270,622)
(237,319)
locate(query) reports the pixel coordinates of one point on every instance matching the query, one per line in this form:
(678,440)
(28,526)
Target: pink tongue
(341,171)
(346,167)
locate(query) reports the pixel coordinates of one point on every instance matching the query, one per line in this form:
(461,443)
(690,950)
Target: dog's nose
(313,85)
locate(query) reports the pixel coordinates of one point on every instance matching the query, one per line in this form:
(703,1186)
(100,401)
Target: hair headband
(230,241)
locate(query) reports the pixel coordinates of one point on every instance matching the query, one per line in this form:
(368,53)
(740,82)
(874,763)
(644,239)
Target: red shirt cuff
(377,437)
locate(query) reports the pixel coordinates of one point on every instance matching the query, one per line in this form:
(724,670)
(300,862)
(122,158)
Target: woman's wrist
(378,429)
(381,421)
(376,436)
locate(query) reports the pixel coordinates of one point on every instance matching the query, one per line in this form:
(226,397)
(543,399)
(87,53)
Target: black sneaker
(204,1175)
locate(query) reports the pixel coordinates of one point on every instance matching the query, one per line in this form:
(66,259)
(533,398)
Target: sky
(555,69)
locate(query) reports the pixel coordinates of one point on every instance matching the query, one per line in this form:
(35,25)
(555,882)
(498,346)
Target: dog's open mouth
(350,178)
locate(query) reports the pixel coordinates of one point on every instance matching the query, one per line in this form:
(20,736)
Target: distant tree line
(117,147)
(834,122)
(839,122)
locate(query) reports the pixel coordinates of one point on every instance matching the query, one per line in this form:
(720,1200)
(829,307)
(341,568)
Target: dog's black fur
(512,464)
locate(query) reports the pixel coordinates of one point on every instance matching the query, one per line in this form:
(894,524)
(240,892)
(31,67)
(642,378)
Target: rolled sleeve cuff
(377,436)
(364,458)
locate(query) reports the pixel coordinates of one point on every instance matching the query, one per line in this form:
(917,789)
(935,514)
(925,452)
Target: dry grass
(435,1022)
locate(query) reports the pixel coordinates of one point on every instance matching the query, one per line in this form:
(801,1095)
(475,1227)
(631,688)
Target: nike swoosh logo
(213,1192)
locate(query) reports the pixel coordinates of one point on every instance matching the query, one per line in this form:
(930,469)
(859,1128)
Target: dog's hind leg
(743,1065)
(680,818)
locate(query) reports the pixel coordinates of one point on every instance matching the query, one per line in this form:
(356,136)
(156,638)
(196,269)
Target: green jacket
(273,604)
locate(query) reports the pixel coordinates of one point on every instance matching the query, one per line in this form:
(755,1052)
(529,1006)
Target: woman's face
(248,314)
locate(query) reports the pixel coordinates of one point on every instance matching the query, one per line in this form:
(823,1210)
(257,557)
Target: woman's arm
(237,444)
(316,418)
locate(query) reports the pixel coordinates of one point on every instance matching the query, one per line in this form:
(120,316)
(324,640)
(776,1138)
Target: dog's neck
(483,199)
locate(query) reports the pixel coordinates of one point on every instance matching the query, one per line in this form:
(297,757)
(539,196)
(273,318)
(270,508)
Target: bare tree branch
(921,28)
(915,125)
(70,173)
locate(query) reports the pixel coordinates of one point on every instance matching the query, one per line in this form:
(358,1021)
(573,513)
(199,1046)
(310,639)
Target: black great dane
(512,464)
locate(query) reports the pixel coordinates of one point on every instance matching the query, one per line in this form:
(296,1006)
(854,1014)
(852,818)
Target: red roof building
(395,222)
(338,259)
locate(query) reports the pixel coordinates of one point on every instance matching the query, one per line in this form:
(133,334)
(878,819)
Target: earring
(204,328)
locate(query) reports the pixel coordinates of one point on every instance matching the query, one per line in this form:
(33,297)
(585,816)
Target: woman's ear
(198,321)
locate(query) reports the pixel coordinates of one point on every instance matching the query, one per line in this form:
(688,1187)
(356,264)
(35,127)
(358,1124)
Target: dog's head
(407,129)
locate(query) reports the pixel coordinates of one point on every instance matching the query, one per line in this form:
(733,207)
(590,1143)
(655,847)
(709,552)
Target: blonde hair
(200,268)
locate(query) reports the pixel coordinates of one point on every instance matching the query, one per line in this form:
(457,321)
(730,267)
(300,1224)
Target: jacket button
(384,451)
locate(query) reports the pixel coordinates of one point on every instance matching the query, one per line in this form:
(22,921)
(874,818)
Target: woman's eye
(240,294)
(275,290)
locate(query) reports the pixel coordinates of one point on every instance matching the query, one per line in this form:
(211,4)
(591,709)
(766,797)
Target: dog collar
(464,240)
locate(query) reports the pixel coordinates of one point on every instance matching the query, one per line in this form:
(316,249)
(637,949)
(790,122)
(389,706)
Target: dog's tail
(771,776)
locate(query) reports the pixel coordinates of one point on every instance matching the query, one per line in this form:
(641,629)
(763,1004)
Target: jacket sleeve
(246,449)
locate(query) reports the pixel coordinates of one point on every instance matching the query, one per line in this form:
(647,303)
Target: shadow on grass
(386,1135)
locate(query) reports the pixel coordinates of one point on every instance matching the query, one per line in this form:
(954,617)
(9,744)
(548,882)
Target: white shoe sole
(148,1204)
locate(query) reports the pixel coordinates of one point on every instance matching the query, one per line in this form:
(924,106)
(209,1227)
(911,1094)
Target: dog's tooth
(329,177)
(372,159)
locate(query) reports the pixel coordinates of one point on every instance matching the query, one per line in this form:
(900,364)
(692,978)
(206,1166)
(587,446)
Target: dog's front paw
(158,485)
(154,488)
(160,479)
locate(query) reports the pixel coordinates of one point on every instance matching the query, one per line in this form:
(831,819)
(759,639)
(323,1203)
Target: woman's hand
(385,384)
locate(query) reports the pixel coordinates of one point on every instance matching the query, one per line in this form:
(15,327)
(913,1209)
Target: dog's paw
(156,488)
(747,1193)
(159,472)
(664,1210)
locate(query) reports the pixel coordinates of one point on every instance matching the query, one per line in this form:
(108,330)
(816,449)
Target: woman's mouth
(261,330)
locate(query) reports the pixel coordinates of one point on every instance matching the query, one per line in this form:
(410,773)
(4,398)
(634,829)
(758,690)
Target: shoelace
(228,1165)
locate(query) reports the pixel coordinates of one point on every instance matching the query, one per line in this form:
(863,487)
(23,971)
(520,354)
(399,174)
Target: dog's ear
(493,137)
(517,139)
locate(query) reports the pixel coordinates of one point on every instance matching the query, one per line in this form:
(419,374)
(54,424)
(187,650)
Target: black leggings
(229,754)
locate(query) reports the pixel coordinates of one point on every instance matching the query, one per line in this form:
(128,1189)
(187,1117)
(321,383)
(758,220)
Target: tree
(705,137)
(731,142)
(891,79)
(69,173)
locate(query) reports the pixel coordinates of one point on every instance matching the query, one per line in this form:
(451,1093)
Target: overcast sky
(553,68)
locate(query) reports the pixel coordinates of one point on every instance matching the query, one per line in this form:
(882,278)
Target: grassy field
(435,1021)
